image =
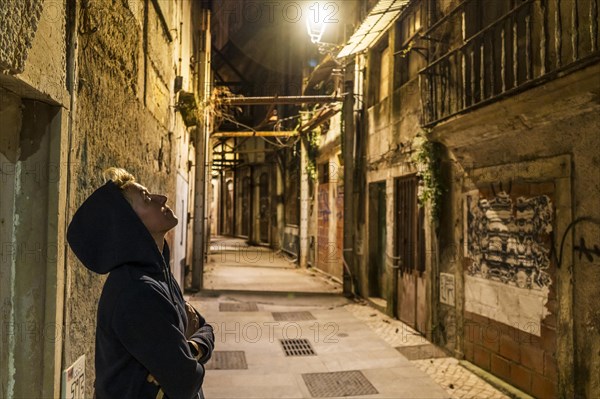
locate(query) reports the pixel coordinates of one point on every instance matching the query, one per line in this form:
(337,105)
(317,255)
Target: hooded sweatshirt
(141,348)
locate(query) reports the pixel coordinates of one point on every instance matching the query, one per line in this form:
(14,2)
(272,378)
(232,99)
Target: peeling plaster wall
(32,86)
(328,203)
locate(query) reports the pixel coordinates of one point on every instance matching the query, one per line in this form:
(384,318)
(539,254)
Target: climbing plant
(186,105)
(312,141)
(426,156)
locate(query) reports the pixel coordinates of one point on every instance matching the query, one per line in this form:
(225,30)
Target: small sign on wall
(447,289)
(73,380)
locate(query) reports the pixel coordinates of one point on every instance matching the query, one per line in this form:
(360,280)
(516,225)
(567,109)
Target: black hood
(105,233)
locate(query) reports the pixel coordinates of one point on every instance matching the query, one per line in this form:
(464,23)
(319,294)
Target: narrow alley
(360,198)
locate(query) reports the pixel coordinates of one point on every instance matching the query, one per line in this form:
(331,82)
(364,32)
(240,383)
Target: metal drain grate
(297,347)
(339,383)
(417,352)
(237,307)
(293,316)
(227,360)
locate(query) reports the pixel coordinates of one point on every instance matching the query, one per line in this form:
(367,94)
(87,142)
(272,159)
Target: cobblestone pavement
(458,382)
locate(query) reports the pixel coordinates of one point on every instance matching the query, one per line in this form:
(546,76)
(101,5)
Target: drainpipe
(303,253)
(202,142)
(62,344)
(348,151)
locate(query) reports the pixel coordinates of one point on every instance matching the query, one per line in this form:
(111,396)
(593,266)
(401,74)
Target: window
(408,59)
(292,186)
(384,74)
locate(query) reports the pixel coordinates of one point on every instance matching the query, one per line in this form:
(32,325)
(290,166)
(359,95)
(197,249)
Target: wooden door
(409,249)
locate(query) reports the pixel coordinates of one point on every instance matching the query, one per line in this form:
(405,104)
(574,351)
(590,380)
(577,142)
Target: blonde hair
(119,176)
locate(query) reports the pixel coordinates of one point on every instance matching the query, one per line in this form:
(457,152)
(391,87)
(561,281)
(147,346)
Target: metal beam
(215,153)
(268,133)
(281,100)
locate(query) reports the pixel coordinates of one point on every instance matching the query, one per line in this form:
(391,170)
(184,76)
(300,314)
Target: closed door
(264,207)
(409,252)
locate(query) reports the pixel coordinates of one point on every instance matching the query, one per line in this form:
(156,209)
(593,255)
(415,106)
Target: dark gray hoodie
(141,313)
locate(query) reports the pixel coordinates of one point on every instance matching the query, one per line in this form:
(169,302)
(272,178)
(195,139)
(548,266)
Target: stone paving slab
(271,374)
(458,382)
(346,335)
(251,278)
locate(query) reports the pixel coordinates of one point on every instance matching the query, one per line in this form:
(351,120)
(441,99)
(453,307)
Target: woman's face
(151,209)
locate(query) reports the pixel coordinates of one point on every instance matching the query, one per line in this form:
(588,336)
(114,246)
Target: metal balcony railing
(532,43)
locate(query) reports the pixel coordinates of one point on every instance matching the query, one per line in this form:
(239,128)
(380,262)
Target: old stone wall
(33,103)
(526,154)
(124,118)
(19,21)
(328,202)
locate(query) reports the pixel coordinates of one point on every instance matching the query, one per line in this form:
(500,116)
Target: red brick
(500,367)
(536,341)
(510,349)
(481,357)
(472,332)
(532,358)
(550,321)
(469,351)
(520,377)
(543,388)
(526,337)
(491,337)
(550,366)
(541,189)
(474,317)
(552,306)
(548,339)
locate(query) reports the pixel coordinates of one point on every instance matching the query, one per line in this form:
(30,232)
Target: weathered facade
(85,86)
(479,156)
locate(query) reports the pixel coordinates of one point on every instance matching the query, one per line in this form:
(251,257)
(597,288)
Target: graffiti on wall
(582,246)
(508,241)
(323,202)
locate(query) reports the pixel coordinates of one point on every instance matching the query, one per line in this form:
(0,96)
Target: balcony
(534,42)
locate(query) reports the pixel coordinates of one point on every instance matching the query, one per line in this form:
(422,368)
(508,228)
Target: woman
(142,350)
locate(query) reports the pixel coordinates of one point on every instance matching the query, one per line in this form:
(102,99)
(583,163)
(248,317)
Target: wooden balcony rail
(530,44)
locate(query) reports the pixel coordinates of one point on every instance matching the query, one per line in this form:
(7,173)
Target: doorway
(33,173)
(378,277)
(246,206)
(264,208)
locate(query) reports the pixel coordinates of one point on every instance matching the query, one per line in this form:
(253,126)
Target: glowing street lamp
(314,24)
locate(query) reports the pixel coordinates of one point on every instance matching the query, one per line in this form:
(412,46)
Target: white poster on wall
(507,279)
(447,289)
(73,380)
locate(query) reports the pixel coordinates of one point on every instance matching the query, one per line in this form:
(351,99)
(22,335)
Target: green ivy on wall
(426,156)
(312,141)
